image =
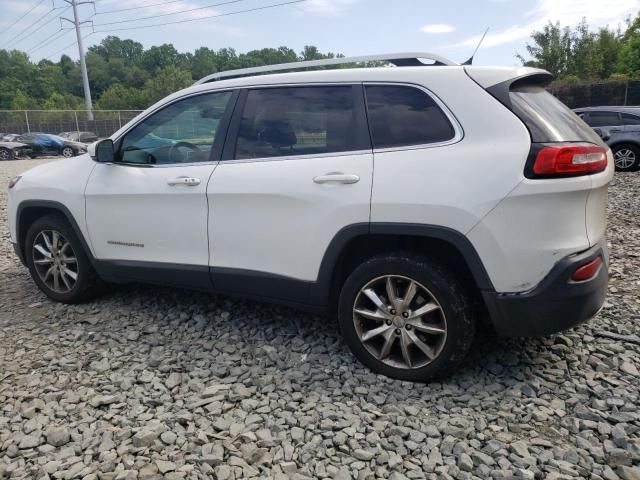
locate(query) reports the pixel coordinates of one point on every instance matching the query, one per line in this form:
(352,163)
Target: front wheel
(406,317)
(626,157)
(67,152)
(57,262)
(5,154)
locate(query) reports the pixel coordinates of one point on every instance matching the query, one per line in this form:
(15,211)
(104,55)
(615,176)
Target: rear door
(297,168)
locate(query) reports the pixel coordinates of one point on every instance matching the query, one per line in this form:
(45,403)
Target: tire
(5,154)
(626,157)
(67,152)
(39,240)
(438,293)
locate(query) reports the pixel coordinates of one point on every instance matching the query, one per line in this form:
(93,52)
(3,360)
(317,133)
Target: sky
(451,28)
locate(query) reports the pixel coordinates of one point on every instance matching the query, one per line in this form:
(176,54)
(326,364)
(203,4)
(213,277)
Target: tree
(577,52)
(166,81)
(123,74)
(551,49)
(629,56)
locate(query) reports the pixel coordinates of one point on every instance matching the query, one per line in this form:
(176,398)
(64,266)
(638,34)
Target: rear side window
(547,118)
(291,121)
(404,116)
(604,119)
(629,119)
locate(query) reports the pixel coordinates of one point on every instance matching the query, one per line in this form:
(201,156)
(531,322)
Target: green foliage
(629,56)
(123,75)
(583,54)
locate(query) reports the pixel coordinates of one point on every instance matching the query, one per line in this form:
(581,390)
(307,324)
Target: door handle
(186,181)
(337,177)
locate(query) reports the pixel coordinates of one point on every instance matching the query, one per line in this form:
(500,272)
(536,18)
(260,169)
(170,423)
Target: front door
(297,168)
(150,205)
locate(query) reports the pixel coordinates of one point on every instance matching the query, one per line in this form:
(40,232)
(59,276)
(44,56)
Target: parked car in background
(13,150)
(84,137)
(46,144)
(9,137)
(620,128)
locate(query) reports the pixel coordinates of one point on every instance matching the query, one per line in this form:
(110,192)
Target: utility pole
(83,64)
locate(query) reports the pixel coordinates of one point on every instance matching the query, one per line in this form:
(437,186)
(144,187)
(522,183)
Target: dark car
(84,137)
(620,128)
(42,144)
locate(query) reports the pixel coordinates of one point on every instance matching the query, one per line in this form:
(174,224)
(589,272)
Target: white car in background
(406,201)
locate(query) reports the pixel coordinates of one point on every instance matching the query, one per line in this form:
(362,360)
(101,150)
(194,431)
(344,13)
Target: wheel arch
(29,211)
(624,141)
(356,243)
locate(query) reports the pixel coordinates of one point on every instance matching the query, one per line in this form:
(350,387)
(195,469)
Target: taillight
(569,160)
(587,271)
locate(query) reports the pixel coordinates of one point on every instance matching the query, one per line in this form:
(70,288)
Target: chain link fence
(104,123)
(600,94)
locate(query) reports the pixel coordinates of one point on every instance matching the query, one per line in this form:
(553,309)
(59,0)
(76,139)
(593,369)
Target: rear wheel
(57,262)
(626,157)
(406,317)
(68,152)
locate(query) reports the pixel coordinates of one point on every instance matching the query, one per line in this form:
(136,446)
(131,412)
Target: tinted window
(629,119)
(547,118)
(298,121)
(401,115)
(603,119)
(183,132)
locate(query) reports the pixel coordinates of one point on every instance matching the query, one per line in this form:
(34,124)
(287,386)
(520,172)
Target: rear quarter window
(404,116)
(547,118)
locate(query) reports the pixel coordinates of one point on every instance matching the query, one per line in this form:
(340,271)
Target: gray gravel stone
(148,383)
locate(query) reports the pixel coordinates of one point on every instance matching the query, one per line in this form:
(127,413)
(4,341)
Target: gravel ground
(149,382)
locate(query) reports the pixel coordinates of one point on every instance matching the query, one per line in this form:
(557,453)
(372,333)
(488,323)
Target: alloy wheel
(624,158)
(399,322)
(4,154)
(67,152)
(55,261)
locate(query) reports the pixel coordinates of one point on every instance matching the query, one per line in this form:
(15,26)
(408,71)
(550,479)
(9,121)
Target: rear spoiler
(499,81)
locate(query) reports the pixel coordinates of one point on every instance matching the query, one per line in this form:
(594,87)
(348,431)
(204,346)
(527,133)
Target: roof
(613,108)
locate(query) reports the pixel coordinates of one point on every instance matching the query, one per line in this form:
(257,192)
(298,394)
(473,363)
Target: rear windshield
(547,118)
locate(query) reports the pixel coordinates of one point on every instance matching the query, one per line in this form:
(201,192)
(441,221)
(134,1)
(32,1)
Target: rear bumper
(556,303)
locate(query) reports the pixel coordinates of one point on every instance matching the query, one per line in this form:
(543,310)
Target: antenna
(470,61)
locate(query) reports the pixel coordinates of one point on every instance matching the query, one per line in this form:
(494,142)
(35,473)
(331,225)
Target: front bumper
(556,303)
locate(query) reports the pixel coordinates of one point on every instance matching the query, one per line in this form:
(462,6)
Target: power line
(138,8)
(265,7)
(21,36)
(68,46)
(172,13)
(50,39)
(27,13)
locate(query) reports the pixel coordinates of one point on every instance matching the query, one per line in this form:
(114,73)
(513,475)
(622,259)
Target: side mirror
(103,151)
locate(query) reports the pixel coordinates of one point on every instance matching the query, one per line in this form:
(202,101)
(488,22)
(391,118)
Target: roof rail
(411,59)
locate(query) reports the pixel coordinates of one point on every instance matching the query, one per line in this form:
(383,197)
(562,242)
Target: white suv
(408,201)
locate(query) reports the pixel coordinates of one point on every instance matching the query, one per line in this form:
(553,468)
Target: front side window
(183,132)
(291,121)
(629,119)
(403,116)
(604,119)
